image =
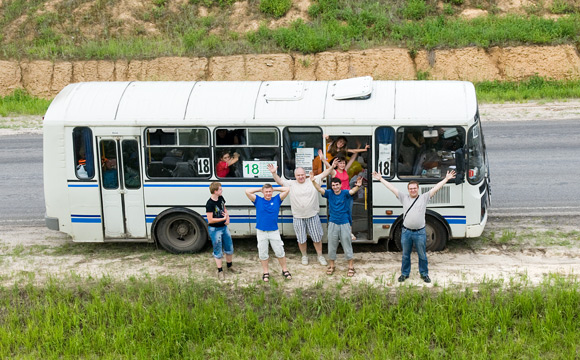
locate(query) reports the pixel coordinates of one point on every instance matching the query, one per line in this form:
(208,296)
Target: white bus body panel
(128,108)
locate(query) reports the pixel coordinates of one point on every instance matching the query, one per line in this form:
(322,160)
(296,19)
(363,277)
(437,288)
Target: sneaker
(233,270)
(221,275)
(403,278)
(322,260)
(426,278)
(304,260)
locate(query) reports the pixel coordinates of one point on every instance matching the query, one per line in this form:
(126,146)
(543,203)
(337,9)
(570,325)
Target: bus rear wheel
(435,231)
(181,233)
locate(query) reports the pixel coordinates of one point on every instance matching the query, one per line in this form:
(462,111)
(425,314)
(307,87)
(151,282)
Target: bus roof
(360,101)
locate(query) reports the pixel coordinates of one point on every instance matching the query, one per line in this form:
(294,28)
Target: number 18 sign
(257,169)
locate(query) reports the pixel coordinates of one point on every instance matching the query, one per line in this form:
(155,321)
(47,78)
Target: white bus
(132,161)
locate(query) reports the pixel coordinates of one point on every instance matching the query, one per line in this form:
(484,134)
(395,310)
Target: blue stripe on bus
(83,185)
(75,218)
(202,186)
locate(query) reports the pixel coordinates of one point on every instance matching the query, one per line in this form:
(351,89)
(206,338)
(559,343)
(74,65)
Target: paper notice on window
(384,159)
(257,169)
(304,158)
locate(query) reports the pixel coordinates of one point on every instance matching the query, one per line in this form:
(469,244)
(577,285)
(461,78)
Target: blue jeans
(419,239)
(220,237)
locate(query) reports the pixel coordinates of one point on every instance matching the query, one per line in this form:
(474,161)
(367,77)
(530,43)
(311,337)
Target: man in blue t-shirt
(339,222)
(267,209)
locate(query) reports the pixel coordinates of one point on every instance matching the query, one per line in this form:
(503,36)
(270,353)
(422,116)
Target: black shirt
(217,208)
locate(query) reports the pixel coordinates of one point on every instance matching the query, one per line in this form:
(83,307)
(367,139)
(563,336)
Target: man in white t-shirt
(413,233)
(305,208)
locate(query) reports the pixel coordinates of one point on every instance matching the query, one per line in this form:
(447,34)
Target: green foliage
(535,87)
(170,318)
(563,7)
(275,8)
(213,3)
(415,10)
(20,102)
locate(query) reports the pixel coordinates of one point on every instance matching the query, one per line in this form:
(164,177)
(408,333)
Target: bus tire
(181,232)
(436,235)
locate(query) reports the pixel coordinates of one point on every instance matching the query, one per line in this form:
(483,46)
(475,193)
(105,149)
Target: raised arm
(356,151)
(274,170)
(387,184)
(234,159)
(251,193)
(357,186)
(316,184)
(450,175)
(284,191)
(323,159)
(329,170)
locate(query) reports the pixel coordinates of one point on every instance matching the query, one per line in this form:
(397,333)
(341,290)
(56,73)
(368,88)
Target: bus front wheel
(435,231)
(181,233)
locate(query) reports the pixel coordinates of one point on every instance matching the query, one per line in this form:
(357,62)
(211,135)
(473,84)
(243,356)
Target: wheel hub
(182,229)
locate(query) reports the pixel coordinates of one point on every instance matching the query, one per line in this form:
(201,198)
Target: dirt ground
(511,250)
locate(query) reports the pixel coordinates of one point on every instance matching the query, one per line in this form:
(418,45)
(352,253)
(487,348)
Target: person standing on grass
(305,208)
(267,209)
(339,222)
(413,232)
(218,220)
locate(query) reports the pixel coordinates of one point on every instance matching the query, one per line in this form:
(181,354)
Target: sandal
(266,277)
(287,275)
(330,270)
(350,272)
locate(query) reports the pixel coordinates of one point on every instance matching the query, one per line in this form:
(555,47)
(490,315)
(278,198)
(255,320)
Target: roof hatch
(355,88)
(283,90)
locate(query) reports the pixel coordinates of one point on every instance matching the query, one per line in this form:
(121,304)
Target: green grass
(31,31)
(169,318)
(20,103)
(533,88)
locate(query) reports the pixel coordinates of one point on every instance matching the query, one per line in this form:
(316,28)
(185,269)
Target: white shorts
(272,238)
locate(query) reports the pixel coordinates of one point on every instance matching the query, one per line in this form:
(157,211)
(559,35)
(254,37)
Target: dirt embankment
(46,78)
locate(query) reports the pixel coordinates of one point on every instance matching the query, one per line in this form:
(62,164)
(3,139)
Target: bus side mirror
(459,166)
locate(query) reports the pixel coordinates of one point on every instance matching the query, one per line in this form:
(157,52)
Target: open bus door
(121,188)
(362,212)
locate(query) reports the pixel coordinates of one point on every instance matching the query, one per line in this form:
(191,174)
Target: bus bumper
(51,223)
(472,231)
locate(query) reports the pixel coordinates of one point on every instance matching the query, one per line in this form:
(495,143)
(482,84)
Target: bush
(275,8)
(415,10)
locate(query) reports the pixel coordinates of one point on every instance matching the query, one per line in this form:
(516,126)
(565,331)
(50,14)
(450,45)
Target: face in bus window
(300,175)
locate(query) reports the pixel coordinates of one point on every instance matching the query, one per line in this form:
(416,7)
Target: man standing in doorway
(305,208)
(339,221)
(413,232)
(267,209)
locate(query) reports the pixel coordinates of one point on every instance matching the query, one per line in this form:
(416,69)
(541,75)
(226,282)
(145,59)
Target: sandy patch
(27,251)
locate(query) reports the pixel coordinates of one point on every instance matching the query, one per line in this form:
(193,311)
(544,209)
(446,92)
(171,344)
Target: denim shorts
(221,238)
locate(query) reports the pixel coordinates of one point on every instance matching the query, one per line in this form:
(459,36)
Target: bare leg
(264,266)
(318,247)
(302,248)
(229,258)
(218,262)
(282,262)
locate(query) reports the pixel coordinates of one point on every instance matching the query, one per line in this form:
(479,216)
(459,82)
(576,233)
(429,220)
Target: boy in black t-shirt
(218,220)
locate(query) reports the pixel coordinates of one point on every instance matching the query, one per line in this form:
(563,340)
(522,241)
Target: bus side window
(384,150)
(245,152)
(301,145)
(83,153)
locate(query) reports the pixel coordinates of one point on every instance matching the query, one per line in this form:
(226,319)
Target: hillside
(48,44)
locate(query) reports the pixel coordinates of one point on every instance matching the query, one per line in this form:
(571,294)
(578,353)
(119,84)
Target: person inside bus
(81,169)
(110,179)
(223,166)
(226,137)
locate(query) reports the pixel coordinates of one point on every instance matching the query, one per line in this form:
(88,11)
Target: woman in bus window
(334,147)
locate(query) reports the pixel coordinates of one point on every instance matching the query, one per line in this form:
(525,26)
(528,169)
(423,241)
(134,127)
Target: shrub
(415,10)
(275,8)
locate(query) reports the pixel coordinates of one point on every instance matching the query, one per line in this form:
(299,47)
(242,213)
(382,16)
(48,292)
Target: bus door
(362,212)
(122,188)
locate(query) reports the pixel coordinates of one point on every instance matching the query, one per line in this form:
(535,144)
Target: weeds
(169,318)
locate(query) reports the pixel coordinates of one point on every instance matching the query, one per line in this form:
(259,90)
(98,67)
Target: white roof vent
(283,90)
(355,88)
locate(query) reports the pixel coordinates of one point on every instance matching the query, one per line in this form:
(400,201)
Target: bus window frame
(284,131)
(146,157)
(235,147)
